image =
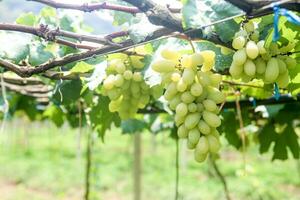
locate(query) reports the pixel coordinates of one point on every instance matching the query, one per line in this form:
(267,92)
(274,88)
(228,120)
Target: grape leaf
(38,55)
(68,92)
(82,67)
(101,118)
(28,19)
(229,127)
(55,114)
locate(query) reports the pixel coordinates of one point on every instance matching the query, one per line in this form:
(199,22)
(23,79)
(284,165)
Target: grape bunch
(125,86)
(191,90)
(253,60)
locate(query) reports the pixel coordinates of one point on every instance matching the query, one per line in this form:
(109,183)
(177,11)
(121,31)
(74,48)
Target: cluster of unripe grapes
(253,60)
(191,90)
(125,86)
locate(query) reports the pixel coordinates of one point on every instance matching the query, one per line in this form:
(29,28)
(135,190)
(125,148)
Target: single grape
(239,42)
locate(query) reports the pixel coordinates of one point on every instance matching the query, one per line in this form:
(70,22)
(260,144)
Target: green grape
(215,95)
(192,107)
(108,83)
(261,47)
(239,42)
(181,109)
(196,89)
(200,107)
(249,68)
(186,61)
(187,97)
(282,66)
(191,145)
(204,127)
(114,94)
(210,105)
(175,101)
(213,143)
(209,60)
(120,67)
(119,80)
(188,76)
(196,59)
(211,119)
(202,147)
(170,54)
(203,78)
(171,91)
(260,66)
(240,57)
(135,88)
(290,62)
(215,79)
(166,78)
(163,66)
(137,76)
(249,26)
(246,78)
(193,136)
(127,75)
(272,70)
(252,50)
(283,80)
(202,96)
(175,77)
(137,62)
(191,120)
(181,86)
(179,120)
(236,71)
(199,157)
(182,132)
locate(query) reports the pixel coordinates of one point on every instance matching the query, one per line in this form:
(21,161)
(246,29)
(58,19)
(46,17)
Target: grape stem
(221,177)
(242,84)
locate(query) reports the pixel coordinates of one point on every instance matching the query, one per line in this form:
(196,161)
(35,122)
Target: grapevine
(191,90)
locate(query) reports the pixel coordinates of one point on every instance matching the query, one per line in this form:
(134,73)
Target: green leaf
(38,55)
(229,127)
(82,67)
(266,136)
(18,48)
(68,92)
(101,118)
(133,126)
(198,13)
(139,31)
(28,19)
(55,114)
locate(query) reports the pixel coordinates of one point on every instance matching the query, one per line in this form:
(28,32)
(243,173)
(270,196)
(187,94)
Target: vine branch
(90,7)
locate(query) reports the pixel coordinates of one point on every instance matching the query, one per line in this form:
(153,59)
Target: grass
(40,162)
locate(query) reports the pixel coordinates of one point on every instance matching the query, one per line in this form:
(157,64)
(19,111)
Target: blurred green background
(41,162)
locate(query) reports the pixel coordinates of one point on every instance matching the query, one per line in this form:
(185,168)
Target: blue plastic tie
(291,17)
(254,102)
(276,92)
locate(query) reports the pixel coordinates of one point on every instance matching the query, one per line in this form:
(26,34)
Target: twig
(241,84)
(89,7)
(88,165)
(221,177)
